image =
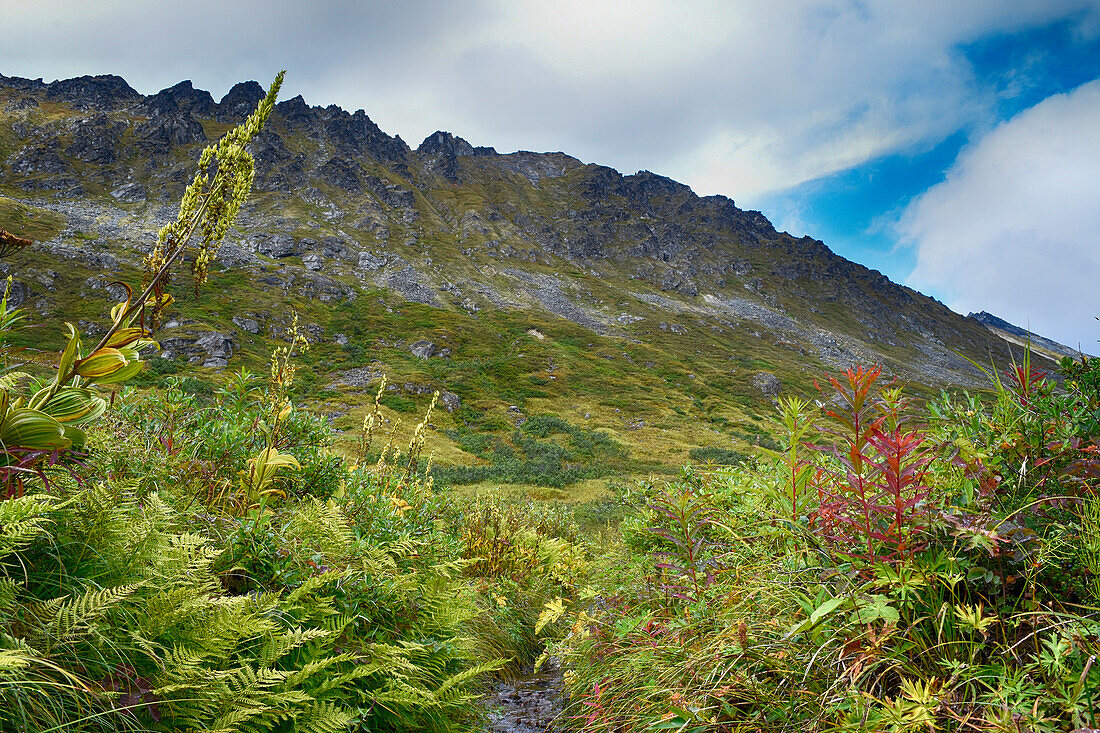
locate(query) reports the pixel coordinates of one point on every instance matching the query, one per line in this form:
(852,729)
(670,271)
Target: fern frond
(64,619)
(324,717)
(451,690)
(278,645)
(22,519)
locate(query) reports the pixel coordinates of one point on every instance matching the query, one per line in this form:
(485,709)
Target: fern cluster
(136,607)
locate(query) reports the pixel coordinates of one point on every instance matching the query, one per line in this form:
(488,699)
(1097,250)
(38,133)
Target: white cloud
(1015,227)
(738,98)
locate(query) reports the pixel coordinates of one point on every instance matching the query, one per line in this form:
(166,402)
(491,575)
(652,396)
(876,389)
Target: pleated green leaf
(27,428)
(102,363)
(75,405)
(124,374)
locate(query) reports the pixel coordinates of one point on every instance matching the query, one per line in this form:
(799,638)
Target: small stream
(527,704)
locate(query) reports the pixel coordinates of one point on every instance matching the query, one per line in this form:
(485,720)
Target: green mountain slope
(519,284)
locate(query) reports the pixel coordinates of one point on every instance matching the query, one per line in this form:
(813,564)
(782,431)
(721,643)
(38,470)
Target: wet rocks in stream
(528,704)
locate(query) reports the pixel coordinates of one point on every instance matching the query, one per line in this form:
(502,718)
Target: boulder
(129,193)
(219,348)
(768,384)
(449,400)
(423,349)
(246,324)
(211,349)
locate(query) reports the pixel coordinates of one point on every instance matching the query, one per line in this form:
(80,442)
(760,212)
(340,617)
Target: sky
(953,145)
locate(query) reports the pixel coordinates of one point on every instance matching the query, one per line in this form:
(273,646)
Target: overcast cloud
(741,98)
(736,98)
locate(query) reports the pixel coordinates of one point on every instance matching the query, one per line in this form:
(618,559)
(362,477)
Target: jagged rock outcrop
(239,102)
(106,91)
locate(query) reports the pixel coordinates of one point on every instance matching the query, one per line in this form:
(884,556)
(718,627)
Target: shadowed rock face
(346,206)
(93,92)
(182,99)
(239,102)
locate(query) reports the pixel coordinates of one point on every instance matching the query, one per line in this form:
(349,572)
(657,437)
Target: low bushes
(896,568)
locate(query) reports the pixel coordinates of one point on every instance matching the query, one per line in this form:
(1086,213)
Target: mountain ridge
(689,301)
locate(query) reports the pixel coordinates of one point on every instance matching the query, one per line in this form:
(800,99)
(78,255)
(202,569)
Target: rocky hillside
(1020,337)
(518,283)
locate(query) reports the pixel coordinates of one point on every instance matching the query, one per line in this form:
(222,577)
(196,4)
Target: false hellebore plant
(40,420)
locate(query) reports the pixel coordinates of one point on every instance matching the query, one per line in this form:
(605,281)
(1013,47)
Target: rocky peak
(441,150)
(444,143)
(93,92)
(645,184)
(601,182)
(296,112)
(23,85)
(239,101)
(357,134)
(1020,336)
(181,98)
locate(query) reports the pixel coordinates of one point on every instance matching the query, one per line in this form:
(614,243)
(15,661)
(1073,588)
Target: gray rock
(407,282)
(768,384)
(130,193)
(217,344)
(90,328)
(341,339)
(277,245)
(211,349)
(310,285)
(163,132)
(19,294)
(449,400)
(41,159)
(370,261)
(517,415)
(423,349)
(313,261)
(246,324)
(95,140)
(335,248)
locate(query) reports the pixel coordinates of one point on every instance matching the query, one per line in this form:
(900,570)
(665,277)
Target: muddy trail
(528,704)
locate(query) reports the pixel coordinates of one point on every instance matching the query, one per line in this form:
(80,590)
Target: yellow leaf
(70,354)
(75,405)
(124,374)
(552,611)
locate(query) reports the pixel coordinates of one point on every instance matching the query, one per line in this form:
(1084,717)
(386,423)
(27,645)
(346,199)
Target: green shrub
(935,572)
(720,456)
(398,403)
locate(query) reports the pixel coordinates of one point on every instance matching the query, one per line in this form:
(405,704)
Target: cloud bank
(737,98)
(1015,227)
